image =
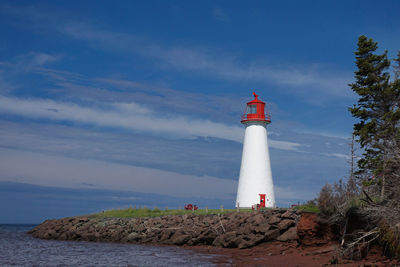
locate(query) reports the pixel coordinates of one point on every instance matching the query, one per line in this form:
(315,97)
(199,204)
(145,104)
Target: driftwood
(344,231)
(360,244)
(223,228)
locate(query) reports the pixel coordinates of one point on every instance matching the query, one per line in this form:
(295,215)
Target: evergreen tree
(397,67)
(372,80)
(376,109)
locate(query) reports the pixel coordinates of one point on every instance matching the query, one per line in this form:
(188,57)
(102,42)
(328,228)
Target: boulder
(166,235)
(257,219)
(285,224)
(207,237)
(250,241)
(289,214)
(50,234)
(289,235)
(179,238)
(245,229)
(274,219)
(226,240)
(83,219)
(239,229)
(271,234)
(132,237)
(262,229)
(63,236)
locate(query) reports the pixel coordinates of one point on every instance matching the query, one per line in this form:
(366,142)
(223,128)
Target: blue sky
(142,99)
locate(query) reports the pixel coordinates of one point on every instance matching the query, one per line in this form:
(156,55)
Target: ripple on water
(19,248)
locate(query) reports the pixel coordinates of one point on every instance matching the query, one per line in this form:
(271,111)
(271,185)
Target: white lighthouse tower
(255,180)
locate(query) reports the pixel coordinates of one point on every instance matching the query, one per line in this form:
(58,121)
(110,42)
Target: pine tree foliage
(397,66)
(375,197)
(377,109)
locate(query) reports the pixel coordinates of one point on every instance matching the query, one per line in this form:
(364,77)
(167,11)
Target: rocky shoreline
(233,230)
(276,237)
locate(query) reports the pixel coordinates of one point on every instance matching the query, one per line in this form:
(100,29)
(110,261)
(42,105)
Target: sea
(17,248)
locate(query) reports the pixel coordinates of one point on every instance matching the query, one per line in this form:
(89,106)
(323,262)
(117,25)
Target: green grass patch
(146,212)
(307,208)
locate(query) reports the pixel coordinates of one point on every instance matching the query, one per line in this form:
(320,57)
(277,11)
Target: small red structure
(255,111)
(262,200)
(191,207)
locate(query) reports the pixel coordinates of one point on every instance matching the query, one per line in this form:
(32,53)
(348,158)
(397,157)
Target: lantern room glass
(252,109)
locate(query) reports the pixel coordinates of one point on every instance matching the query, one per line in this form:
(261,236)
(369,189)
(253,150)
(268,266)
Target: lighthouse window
(252,109)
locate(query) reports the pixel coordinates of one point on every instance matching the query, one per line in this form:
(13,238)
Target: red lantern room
(255,111)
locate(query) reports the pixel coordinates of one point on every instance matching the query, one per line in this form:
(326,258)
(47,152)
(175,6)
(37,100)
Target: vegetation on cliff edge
(370,199)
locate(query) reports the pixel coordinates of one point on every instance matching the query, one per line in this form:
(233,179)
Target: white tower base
(255,172)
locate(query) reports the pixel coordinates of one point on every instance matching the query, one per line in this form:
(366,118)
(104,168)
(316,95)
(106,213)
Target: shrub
(326,203)
(390,236)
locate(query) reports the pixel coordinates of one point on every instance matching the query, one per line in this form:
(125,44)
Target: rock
(274,219)
(83,219)
(232,226)
(245,229)
(226,240)
(285,224)
(51,234)
(289,214)
(218,242)
(271,234)
(239,229)
(257,219)
(179,238)
(63,236)
(132,237)
(144,238)
(140,228)
(250,241)
(262,229)
(289,235)
(115,236)
(207,237)
(166,235)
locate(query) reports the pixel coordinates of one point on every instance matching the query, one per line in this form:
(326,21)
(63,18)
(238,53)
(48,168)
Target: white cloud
(337,155)
(57,171)
(312,82)
(312,78)
(284,145)
(5,87)
(33,60)
(129,116)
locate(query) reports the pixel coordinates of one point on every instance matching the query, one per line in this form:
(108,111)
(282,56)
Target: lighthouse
(255,180)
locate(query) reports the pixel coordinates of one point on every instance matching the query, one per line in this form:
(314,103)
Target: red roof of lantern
(255,111)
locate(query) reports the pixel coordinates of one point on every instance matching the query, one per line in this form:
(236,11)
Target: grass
(146,212)
(308,208)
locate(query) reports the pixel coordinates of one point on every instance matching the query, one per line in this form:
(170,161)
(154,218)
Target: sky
(109,104)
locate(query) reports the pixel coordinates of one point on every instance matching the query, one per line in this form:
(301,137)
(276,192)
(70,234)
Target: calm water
(19,249)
